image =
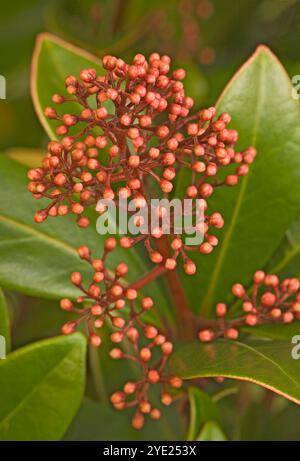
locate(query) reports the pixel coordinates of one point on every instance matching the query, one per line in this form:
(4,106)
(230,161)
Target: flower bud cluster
(150,350)
(268,301)
(108,300)
(134,131)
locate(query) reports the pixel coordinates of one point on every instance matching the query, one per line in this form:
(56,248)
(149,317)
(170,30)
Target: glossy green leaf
(4,321)
(274,331)
(211,432)
(38,259)
(259,210)
(202,409)
(53,59)
(41,389)
(267,363)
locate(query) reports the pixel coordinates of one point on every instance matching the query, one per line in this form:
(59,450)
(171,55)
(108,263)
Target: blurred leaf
(226,391)
(29,157)
(286,259)
(267,363)
(41,389)
(195,83)
(45,255)
(53,59)
(255,424)
(36,319)
(258,211)
(267,13)
(4,321)
(202,409)
(96,27)
(19,24)
(211,432)
(96,421)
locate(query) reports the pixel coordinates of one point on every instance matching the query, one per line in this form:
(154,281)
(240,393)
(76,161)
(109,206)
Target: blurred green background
(211,38)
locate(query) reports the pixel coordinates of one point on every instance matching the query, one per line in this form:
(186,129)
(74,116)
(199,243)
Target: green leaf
(286,259)
(195,83)
(274,331)
(36,319)
(41,389)
(285,262)
(29,157)
(267,363)
(4,321)
(259,210)
(202,409)
(53,59)
(96,421)
(211,432)
(38,259)
(278,423)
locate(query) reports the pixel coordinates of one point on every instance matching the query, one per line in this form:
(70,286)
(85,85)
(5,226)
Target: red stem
(177,292)
(157,271)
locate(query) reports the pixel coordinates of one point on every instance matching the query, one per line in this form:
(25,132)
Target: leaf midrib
(208,298)
(40,235)
(265,357)
(57,65)
(248,377)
